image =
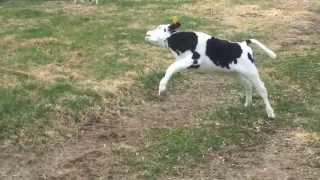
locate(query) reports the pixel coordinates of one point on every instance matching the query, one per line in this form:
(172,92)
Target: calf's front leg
(177,66)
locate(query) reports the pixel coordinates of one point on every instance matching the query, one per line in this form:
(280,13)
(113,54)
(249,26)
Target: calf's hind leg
(252,75)
(262,91)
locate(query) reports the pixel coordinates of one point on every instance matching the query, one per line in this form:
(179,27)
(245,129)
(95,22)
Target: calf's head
(159,35)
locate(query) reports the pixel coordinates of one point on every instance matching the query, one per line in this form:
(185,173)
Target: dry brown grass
(306,137)
(75,9)
(7,80)
(282,21)
(40,41)
(15,23)
(48,73)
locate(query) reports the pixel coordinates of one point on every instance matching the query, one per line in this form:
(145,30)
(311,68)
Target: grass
(9,3)
(174,150)
(39,37)
(149,82)
(18,110)
(31,103)
(263,4)
(138,4)
(301,69)
(21,13)
(37,32)
(184,147)
(305,72)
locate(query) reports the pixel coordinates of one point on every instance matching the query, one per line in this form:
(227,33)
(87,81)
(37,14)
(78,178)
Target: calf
(198,50)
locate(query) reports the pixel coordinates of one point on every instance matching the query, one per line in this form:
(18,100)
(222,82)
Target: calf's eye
(165,30)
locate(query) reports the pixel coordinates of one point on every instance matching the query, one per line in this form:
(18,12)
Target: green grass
(304,71)
(21,4)
(36,32)
(96,37)
(149,82)
(36,55)
(22,13)
(177,147)
(34,103)
(17,109)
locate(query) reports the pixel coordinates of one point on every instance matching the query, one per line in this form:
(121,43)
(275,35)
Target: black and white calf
(198,50)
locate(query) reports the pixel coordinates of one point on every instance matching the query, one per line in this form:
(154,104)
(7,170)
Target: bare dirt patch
(179,109)
(282,156)
(15,162)
(84,156)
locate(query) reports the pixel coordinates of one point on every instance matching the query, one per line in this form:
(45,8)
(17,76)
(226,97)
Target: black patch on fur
(195,58)
(195,55)
(185,41)
(222,53)
(250,57)
(182,41)
(248,41)
(236,61)
(194,66)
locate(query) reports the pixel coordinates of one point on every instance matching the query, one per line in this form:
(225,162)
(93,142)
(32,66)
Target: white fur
(267,50)
(244,69)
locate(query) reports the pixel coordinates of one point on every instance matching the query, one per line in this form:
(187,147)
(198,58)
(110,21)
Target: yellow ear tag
(175,20)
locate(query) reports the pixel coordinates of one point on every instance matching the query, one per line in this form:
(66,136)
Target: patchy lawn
(79,93)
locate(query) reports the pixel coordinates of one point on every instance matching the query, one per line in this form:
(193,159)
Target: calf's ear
(175,24)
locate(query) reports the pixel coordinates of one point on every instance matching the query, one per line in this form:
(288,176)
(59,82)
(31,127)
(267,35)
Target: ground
(79,93)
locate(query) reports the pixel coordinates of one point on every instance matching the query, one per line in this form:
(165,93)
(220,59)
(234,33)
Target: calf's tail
(263,47)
